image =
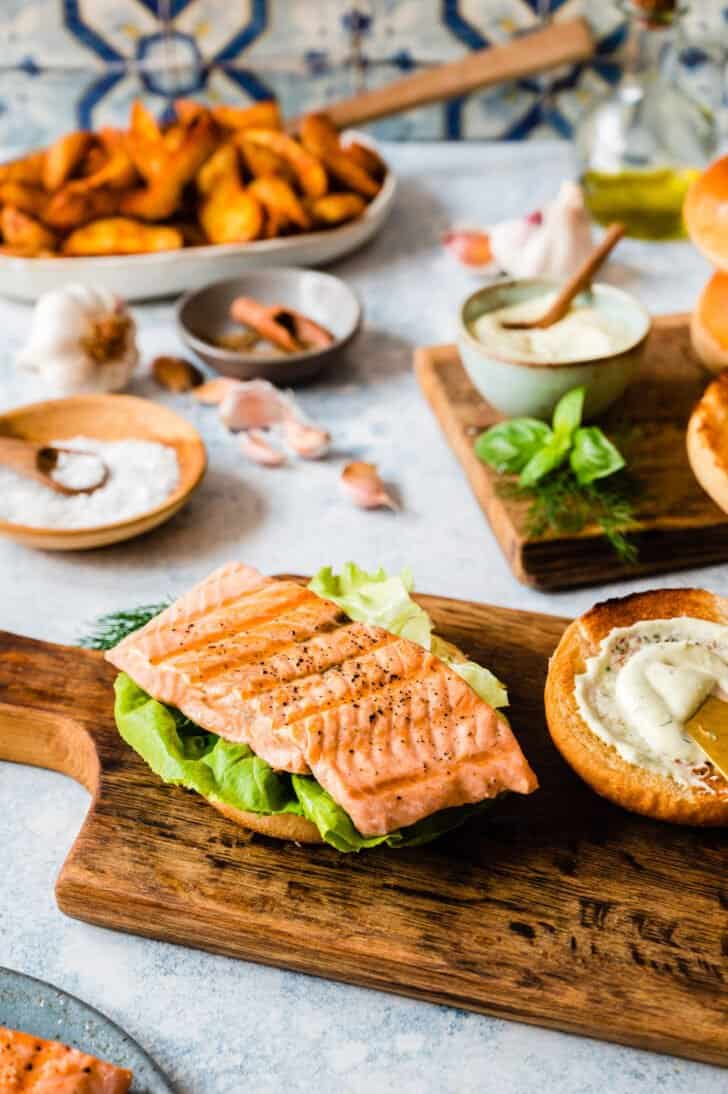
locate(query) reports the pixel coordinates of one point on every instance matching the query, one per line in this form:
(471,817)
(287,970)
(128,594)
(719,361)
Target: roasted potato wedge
(188,110)
(263,115)
(338,208)
(25,252)
(71,206)
(231,214)
(222,164)
(23,231)
(115,170)
(121,236)
(63,156)
(280,200)
(29,199)
(309,170)
(92,160)
(317,135)
(157,201)
(262,162)
(317,131)
(142,122)
(25,169)
(367,158)
(144,142)
(161,197)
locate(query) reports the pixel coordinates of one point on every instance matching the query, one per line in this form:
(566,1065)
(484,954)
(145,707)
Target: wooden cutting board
(558,909)
(679,527)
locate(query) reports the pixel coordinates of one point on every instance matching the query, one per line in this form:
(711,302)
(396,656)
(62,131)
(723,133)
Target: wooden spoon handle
(583,276)
(558,44)
(20,456)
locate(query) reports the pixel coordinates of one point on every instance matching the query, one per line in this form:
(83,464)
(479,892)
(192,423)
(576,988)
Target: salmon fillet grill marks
(426,744)
(391,732)
(255,643)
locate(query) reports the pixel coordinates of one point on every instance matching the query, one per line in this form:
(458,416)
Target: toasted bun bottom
(282,826)
(599,763)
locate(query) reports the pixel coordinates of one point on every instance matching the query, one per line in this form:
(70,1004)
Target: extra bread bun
(599,763)
(707,441)
(283,826)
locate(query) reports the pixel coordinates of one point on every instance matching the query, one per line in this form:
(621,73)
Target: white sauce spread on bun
(645,682)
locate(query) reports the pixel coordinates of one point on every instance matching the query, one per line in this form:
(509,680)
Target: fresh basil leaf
(567,415)
(547,459)
(593,456)
(510,445)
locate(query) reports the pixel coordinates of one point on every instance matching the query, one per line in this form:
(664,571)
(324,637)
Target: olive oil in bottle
(642,145)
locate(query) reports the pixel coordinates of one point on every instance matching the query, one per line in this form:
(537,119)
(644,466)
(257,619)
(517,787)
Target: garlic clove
(470,247)
(362,482)
(256,404)
(176,373)
(308,441)
(214,391)
(255,445)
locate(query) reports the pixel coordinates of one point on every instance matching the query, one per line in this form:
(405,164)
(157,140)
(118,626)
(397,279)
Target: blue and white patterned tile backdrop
(67,63)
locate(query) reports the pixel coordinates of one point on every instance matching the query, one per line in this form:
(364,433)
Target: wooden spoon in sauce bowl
(576,283)
(39,461)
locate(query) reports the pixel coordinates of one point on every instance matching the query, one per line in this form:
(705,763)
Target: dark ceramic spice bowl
(203,318)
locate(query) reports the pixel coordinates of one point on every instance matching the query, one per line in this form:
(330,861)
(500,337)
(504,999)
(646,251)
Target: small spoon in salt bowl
(578,281)
(65,470)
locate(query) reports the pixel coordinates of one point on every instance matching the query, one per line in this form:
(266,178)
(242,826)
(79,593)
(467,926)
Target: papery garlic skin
(551,243)
(364,486)
(82,340)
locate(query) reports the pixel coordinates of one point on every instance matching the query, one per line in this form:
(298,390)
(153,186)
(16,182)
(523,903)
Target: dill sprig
(109,629)
(559,503)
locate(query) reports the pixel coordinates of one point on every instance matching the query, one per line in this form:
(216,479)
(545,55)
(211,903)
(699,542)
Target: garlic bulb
(81,340)
(550,242)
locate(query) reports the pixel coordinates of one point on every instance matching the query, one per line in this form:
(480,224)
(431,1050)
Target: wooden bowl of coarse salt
(155,459)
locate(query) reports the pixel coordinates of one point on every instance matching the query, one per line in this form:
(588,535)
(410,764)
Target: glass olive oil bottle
(642,145)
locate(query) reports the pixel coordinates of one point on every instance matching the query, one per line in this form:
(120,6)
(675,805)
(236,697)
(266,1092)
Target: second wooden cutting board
(558,909)
(678,526)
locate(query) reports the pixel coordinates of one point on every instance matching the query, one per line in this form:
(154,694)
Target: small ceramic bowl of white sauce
(598,343)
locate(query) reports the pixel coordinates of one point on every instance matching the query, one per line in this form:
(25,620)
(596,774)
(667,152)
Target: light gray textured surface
(218,1026)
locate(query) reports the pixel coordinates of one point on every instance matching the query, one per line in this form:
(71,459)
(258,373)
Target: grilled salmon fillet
(386,728)
(30,1065)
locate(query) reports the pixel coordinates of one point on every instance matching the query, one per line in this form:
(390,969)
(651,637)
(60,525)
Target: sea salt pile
(78,470)
(142,474)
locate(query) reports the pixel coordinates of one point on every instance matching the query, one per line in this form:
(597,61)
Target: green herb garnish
(561,470)
(110,629)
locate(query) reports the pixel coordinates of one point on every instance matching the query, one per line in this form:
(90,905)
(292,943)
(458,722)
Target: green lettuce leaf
(182,754)
(336,827)
(384,601)
(377,599)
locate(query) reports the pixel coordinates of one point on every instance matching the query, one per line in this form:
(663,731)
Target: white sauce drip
(585,332)
(645,682)
(142,475)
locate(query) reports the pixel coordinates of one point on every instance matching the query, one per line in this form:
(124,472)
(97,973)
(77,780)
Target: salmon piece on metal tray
(31,1065)
(386,728)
